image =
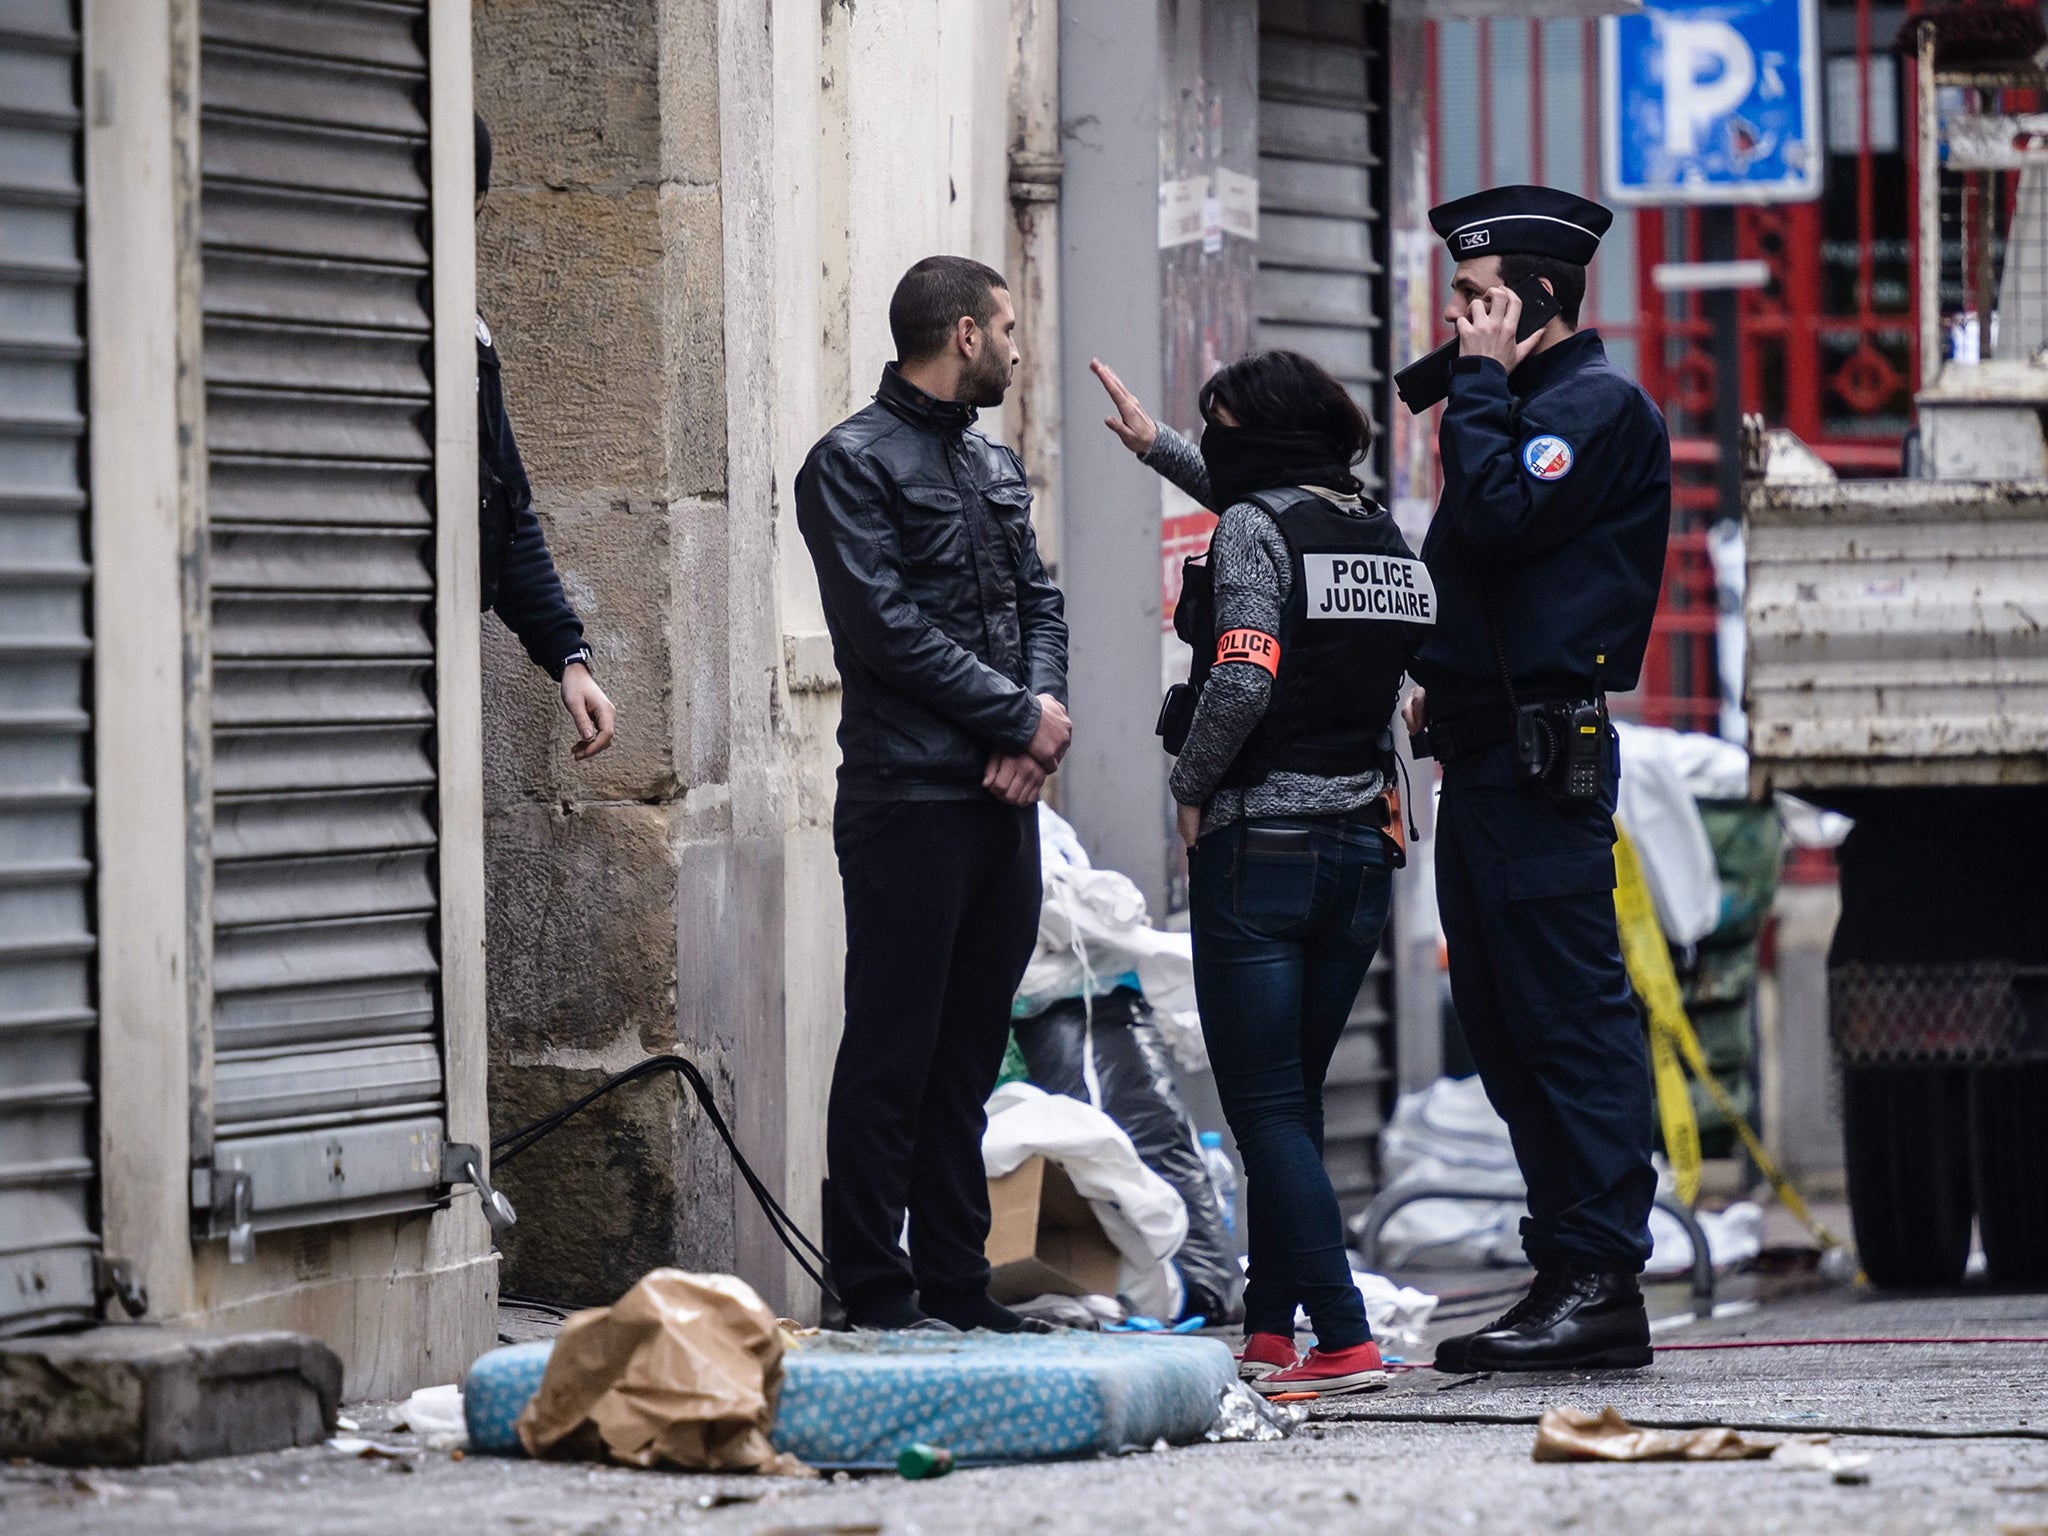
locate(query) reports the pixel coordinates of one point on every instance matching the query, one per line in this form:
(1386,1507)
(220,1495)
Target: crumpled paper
(682,1371)
(1571,1434)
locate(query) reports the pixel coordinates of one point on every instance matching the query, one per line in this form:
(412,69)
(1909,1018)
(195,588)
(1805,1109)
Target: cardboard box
(1043,1238)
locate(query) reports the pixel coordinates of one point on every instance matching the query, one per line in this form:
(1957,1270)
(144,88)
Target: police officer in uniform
(1302,625)
(1547,553)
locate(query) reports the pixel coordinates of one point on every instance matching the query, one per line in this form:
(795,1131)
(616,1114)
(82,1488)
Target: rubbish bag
(1142,1214)
(682,1371)
(1117,1062)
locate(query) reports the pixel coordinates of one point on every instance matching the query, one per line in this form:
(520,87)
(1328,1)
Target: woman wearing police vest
(1286,801)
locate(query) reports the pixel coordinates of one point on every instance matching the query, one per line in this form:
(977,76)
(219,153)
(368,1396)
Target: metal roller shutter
(327,1088)
(1322,184)
(48,1136)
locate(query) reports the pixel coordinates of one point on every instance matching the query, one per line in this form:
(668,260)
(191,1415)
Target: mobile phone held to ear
(1428,379)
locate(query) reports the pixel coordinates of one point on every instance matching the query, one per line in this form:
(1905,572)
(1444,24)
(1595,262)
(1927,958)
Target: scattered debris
(355,1445)
(1241,1414)
(728,1496)
(1813,1453)
(1571,1434)
(435,1414)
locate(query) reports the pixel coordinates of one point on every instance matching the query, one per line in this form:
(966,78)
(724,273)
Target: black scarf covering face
(1241,461)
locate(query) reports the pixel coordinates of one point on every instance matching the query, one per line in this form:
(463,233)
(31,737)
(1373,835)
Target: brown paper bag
(683,1371)
(1570,1434)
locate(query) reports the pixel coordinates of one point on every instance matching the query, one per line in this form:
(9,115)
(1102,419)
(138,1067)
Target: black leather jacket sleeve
(841,508)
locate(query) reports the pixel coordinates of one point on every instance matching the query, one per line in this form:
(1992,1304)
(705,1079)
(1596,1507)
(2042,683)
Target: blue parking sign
(1711,101)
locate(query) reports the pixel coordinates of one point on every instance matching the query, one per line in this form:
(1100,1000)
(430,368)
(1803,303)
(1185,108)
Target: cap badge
(1475,239)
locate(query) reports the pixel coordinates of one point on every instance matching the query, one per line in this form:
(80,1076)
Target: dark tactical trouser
(1526,889)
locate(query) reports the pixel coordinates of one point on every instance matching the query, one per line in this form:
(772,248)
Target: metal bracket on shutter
(121,1280)
(462,1163)
(223,1200)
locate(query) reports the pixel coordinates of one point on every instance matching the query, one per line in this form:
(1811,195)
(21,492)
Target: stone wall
(600,269)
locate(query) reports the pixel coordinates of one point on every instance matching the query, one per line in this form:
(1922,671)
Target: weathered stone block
(617,567)
(571,282)
(572,92)
(123,1396)
(580,928)
(635,1181)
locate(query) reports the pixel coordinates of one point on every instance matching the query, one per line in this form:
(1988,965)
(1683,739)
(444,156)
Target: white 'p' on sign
(1368,587)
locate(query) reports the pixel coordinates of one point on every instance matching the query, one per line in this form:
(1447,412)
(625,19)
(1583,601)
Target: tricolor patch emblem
(1547,457)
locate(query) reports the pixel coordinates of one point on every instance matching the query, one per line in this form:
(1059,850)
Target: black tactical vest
(1360,606)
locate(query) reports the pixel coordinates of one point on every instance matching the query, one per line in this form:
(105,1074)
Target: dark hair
(932,297)
(1281,391)
(483,156)
(1567,280)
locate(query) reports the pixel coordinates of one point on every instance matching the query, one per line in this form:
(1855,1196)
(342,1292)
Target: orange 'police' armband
(1251,645)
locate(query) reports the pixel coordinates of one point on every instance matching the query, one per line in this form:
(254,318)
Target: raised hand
(1133,428)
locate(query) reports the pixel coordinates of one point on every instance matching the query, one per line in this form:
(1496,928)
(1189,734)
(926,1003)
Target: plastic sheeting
(1140,1212)
(1449,1134)
(1094,933)
(1658,809)
(1110,1055)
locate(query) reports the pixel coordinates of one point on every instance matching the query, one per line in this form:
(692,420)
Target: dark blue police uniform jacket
(1557,490)
(1557,497)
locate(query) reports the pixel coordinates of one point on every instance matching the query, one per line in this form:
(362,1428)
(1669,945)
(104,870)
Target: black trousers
(1526,889)
(941,917)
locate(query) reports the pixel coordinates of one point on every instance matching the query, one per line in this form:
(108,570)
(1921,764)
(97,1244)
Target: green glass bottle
(920,1461)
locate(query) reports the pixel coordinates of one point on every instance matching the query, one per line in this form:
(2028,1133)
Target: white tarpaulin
(1449,1134)
(1140,1212)
(1657,810)
(1092,930)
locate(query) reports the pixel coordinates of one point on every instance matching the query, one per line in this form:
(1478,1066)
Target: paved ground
(1348,1470)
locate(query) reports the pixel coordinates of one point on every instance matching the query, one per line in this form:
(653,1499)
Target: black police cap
(1522,221)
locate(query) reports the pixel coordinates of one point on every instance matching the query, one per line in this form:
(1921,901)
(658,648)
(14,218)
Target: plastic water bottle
(1223,1175)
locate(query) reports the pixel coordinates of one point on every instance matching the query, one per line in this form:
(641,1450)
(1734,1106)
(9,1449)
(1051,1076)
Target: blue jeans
(1286,913)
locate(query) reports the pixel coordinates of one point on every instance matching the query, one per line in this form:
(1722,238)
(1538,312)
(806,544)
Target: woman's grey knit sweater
(1254,576)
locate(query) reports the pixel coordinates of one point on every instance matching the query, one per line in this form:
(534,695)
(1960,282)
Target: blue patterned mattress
(855,1400)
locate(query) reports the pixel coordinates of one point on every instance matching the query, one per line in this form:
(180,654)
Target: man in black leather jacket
(519,579)
(952,653)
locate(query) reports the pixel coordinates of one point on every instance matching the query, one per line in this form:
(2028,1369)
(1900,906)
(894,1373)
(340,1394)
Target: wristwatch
(582,654)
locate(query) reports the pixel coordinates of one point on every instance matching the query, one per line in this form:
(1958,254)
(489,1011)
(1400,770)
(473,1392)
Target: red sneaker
(1328,1373)
(1265,1353)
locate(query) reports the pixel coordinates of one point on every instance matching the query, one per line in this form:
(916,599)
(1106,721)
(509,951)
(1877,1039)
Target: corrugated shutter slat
(1321,286)
(48,1027)
(328,1075)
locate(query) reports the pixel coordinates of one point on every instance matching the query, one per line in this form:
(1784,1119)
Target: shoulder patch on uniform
(1547,457)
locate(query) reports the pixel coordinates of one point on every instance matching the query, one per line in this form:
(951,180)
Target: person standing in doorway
(951,644)
(1548,554)
(519,580)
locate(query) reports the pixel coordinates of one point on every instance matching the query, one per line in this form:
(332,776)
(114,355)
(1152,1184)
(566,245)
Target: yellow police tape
(1675,1049)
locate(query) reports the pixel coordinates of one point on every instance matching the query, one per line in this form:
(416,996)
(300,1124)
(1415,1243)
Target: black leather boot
(1572,1320)
(1451,1353)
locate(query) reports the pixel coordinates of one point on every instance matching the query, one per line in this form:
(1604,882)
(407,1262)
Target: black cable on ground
(513,1143)
(1887,1431)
